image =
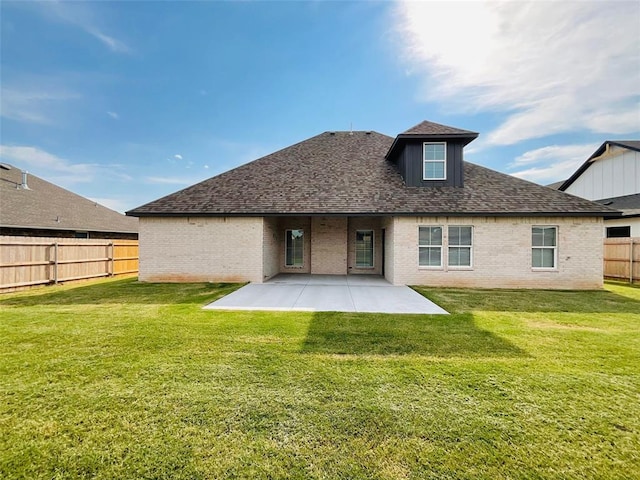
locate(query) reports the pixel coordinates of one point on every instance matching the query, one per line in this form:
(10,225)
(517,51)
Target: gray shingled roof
(628,204)
(345,173)
(47,206)
(432,128)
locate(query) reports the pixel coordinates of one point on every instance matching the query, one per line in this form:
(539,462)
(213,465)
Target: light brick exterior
(329,245)
(502,254)
(240,249)
(197,249)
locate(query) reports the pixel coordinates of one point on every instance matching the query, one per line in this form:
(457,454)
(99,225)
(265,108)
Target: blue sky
(125,102)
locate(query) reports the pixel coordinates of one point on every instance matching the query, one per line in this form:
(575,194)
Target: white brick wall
(195,249)
(271,248)
(329,245)
(502,254)
(236,249)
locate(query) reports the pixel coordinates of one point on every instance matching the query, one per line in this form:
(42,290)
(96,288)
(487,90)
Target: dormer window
(434,161)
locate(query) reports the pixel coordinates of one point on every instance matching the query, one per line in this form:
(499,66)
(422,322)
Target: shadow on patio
(380,334)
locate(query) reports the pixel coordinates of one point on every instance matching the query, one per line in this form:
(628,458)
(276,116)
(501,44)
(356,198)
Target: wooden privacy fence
(41,261)
(622,258)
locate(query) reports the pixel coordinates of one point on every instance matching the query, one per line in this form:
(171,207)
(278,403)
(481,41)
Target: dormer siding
(410,164)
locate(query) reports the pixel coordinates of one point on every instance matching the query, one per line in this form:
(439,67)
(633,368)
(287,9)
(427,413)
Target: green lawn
(119,379)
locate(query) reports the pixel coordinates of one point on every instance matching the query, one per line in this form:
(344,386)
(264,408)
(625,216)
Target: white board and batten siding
(616,173)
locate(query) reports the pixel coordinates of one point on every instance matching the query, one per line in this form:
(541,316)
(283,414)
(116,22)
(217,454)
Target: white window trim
(442,247)
(286,235)
(470,247)
(373,250)
(424,161)
(555,250)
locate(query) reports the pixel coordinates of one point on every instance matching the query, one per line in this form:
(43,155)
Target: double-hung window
(430,246)
(544,249)
(460,246)
(434,161)
(294,248)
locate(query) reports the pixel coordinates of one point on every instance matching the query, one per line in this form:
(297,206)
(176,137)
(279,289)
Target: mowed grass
(120,379)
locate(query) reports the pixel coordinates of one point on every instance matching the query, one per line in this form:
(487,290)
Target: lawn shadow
(125,291)
(384,334)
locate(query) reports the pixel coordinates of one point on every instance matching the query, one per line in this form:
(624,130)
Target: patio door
(364,249)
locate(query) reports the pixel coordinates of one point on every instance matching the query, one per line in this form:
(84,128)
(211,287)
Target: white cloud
(551,66)
(83,15)
(552,163)
(56,169)
(33,105)
(113,115)
(170,180)
(177,156)
(116,204)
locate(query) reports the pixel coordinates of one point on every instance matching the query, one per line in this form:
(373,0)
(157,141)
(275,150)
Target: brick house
(408,208)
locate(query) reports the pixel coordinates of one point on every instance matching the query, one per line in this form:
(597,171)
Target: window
(364,248)
(544,247)
(618,232)
(434,161)
(460,245)
(430,246)
(294,248)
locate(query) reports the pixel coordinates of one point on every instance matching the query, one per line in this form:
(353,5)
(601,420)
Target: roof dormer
(430,155)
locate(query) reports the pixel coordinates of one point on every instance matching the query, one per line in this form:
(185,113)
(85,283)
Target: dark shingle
(345,173)
(47,206)
(628,204)
(431,128)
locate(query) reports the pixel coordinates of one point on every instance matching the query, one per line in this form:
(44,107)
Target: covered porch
(325,245)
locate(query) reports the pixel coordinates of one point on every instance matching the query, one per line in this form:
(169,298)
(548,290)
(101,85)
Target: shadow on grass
(126,291)
(462,300)
(383,334)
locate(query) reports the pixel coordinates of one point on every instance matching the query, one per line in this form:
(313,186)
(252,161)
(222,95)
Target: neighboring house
(407,208)
(33,207)
(611,176)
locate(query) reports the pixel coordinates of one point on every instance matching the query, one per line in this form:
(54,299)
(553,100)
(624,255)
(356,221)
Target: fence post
(631,242)
(55,262)
(113,255)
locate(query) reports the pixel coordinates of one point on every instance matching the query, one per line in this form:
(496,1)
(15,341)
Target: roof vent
(332,133)
(368,133)
(4,166)
(24,185)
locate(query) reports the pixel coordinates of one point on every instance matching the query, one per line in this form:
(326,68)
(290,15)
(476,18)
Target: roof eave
(607,214)
(404,137)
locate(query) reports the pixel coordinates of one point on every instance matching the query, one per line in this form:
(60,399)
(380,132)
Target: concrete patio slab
(327,293)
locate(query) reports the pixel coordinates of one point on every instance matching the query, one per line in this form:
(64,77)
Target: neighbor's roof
(345,173)
(47,206)
(628,204)
(628,144)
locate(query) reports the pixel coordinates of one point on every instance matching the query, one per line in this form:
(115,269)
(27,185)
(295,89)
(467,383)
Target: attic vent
(368,133)
(332,133)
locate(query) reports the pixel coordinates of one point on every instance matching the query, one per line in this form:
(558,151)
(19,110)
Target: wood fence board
(26,261)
